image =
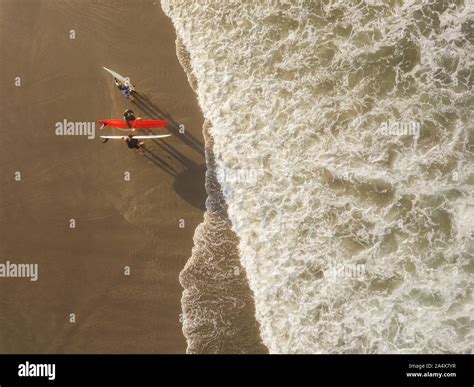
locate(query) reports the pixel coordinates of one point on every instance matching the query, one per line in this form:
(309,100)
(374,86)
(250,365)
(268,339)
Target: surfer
(124,89)
(129,116)
(133,143)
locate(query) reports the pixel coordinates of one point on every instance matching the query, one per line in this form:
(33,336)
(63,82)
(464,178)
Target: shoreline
(217,302)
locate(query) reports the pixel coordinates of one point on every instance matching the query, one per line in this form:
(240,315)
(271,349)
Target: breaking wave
(355,118)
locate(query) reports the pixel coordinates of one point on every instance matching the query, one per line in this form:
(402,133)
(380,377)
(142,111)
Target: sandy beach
(118,223)
(314,195)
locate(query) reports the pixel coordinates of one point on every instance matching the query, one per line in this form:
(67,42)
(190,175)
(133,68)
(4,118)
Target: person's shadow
(189,176)
(147,106)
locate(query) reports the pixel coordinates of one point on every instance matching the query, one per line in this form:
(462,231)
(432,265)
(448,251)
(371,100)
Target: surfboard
(125,80)
(138,137)
(136,124)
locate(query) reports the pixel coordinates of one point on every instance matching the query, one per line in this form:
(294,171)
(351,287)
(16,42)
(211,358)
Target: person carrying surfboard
(129,117)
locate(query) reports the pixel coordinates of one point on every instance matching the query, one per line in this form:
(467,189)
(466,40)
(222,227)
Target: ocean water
(218,311)
(342,138)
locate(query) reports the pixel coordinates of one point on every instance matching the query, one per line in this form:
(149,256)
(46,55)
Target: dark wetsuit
(133,143)
(129,116)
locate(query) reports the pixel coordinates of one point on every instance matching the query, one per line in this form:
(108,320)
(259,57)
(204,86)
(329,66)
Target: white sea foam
(299,90)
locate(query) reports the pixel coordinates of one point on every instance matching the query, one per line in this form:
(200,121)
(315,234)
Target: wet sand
(118,223)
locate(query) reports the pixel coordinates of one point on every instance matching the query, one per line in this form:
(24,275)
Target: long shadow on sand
(147,106)
(188,176)
(159,162)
